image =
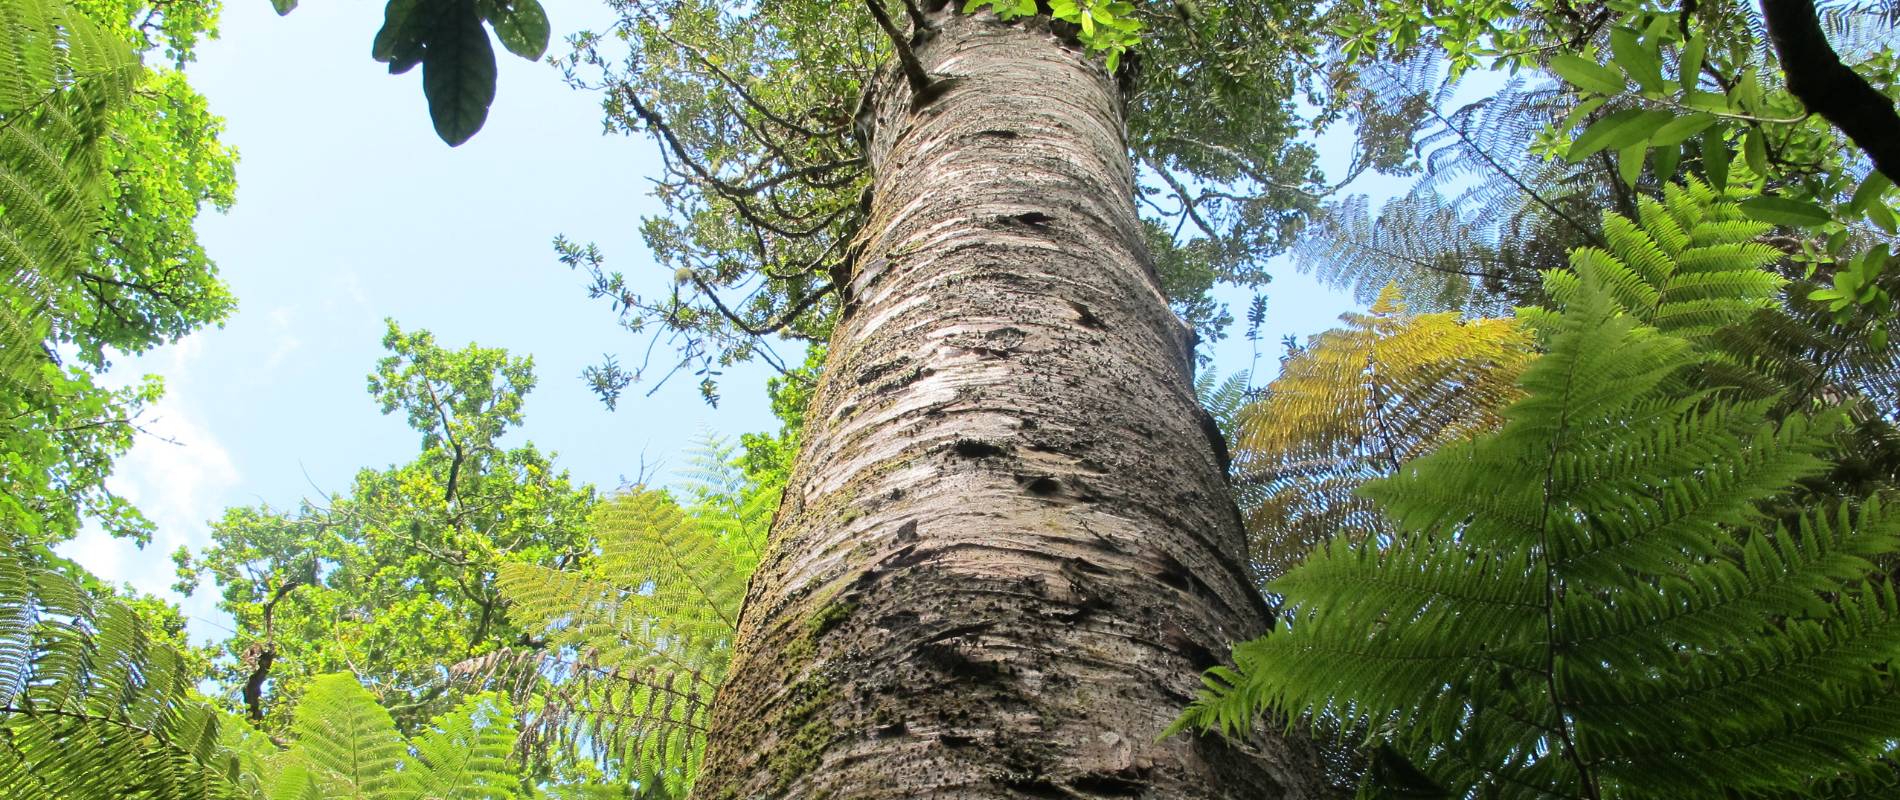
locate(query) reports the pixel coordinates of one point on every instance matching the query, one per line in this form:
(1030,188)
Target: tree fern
(347,746)
(92,707)
(348,742)
(1223,398)
(1354,404)
(1590,602)
(465,754)
(638,640)
(61,78)
(1485,213)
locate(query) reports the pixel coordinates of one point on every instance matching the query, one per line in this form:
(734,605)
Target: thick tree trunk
(1008,548)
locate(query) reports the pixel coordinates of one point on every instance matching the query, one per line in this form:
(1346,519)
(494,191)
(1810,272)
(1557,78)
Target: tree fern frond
(638,641)
(63,78)
(464,754)
(1353,405)
(1484,216)
(1604,597)
(93,707)
(348,741)
(1224,398)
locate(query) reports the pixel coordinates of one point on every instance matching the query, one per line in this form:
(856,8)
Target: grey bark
(1008,548)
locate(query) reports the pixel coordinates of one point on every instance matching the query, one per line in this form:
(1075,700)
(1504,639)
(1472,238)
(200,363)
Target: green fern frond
(47,47)
(61,79)
(638,641)
(1594,600)
(1223,399)
(1692,265)
(92,707)
(464,755)
(348,742)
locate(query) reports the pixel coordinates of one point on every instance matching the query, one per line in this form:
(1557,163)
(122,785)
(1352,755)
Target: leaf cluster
(396,576)
(103,167)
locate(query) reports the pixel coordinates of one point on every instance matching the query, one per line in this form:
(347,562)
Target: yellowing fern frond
(1358,401)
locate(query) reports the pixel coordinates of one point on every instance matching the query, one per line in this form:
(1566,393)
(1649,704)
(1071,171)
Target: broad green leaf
(1755,152)
(1581,112)
(407,25)
(1678,130)
(283,6)
(521,25)
(1785,211)
(458,76)
(1586,74)
(1869,192)
(1747,92)
(1665,159)
(1691,61)
(1882,216)
(1715,157)
(1617,131)
(1638,61)
(1629,162)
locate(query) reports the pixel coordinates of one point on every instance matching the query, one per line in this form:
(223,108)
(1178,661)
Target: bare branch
(775,324)
(1187,200)
(913,69)
(699,173)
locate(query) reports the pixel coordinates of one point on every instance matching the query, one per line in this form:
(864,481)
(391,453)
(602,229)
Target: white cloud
(179,475)
(353,286)
(287,342)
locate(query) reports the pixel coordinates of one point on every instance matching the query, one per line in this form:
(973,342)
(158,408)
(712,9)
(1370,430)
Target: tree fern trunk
(1008,548)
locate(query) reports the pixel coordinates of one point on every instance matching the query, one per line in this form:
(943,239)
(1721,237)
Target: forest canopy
(1589,495)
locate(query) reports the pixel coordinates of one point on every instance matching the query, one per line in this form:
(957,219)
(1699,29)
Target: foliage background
(269,408)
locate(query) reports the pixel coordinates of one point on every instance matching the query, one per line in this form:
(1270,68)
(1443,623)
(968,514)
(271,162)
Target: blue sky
(349,211)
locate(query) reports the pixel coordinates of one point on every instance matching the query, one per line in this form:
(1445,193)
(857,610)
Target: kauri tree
(1008,541)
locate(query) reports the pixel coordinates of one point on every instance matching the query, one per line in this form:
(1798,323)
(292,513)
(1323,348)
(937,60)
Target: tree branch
(698,172)
(1187,200)
(913,69)
(264,653)
(1830,88)
(785,318)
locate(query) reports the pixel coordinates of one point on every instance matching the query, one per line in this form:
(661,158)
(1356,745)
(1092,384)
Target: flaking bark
(1008,547)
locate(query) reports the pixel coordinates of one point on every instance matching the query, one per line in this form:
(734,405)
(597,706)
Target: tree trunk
(1008,548)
